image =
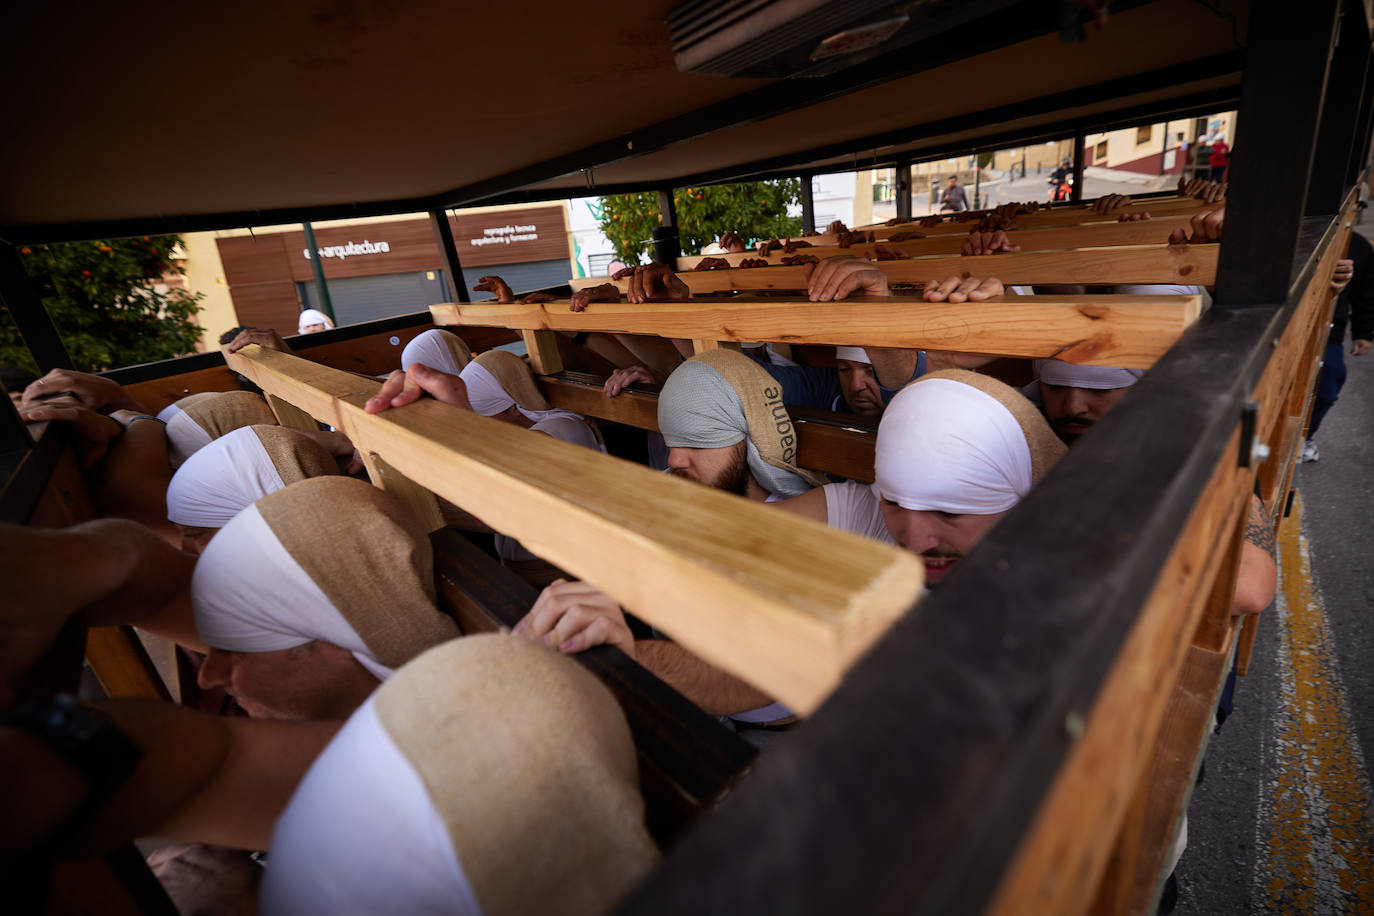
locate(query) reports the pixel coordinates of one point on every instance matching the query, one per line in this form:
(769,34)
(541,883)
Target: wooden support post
(290,415)
(122,665)
(788,613)
(543,349)
(902,189)
(700,345)
(419,500)
(1122,331)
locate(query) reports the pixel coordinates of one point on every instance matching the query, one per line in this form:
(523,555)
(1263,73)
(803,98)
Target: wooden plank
(1047,217)
(415,497)
(1053,238)
(1145,844)
(781,602)
(1123,331)
(122,665)
(291,416)
(1193,265)
(158,393)
(701,346)
(543,349)
(1064,854)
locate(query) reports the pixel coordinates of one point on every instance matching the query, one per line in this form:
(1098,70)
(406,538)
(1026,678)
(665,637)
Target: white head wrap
(853,354)
(260,585)
(489,776)
(312,316)
(437,349)
(238,469)
(198,419)
(699,408)
(948,447)
(1071,375)
(489,397)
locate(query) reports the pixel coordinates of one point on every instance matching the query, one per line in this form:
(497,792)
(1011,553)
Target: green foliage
(756,210)
(103,300)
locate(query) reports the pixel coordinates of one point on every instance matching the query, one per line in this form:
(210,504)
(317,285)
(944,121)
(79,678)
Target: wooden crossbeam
(1053,238)
(1194,265)
(1125,331)
(781,602)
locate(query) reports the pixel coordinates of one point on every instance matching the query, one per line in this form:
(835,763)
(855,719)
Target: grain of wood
(1053,238)
(1192,265)
(1123,331)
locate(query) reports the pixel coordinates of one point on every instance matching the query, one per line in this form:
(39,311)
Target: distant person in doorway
(312,321)
(954,198)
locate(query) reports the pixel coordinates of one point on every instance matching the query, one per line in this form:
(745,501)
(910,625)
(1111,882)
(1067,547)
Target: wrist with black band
(89,741)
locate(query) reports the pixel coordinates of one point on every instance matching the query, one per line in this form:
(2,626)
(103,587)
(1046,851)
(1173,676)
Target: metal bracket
(1249,447)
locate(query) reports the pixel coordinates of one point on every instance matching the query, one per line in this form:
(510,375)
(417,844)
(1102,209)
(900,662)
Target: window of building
(1144,134)
(1100,152)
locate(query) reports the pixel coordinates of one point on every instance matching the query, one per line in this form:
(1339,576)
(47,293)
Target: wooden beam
(1193,265)
(543,350)
(781,602)
(290,415)
(1053,238)
(1123,331)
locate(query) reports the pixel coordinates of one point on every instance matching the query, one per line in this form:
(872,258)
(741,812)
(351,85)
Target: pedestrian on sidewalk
(1354,280)
(954,198)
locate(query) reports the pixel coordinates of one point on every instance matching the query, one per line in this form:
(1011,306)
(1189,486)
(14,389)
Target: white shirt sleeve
(855,508)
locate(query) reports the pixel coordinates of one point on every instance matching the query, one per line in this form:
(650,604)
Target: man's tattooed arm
(1258,530)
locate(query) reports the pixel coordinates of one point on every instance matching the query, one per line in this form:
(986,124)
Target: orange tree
(756,210)
(110,302)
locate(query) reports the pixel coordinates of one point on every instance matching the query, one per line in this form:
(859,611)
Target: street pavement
(1284,820)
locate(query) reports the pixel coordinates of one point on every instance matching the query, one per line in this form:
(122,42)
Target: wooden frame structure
(1026,741)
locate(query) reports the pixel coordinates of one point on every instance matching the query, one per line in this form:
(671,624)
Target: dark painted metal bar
(20,297)
(808,202)
(146,372)
(667,245)
(1076,193)
(1337,130)
(448,250)
(903,188)
(1281,106)
(317,269)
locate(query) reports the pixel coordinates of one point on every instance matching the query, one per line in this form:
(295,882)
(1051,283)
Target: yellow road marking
(1316,819)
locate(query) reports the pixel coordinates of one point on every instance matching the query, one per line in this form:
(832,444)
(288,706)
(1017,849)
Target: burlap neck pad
(369,556)
(295,455)
(771,429)
(225,411)
(513,375)
(529,762)
(1045,447)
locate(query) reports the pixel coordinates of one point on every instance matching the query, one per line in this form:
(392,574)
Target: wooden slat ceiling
(142,110)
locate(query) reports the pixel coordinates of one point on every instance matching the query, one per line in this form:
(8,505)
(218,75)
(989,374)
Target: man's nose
(917,535)
(214,671)
(1078,402)
(678,458)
